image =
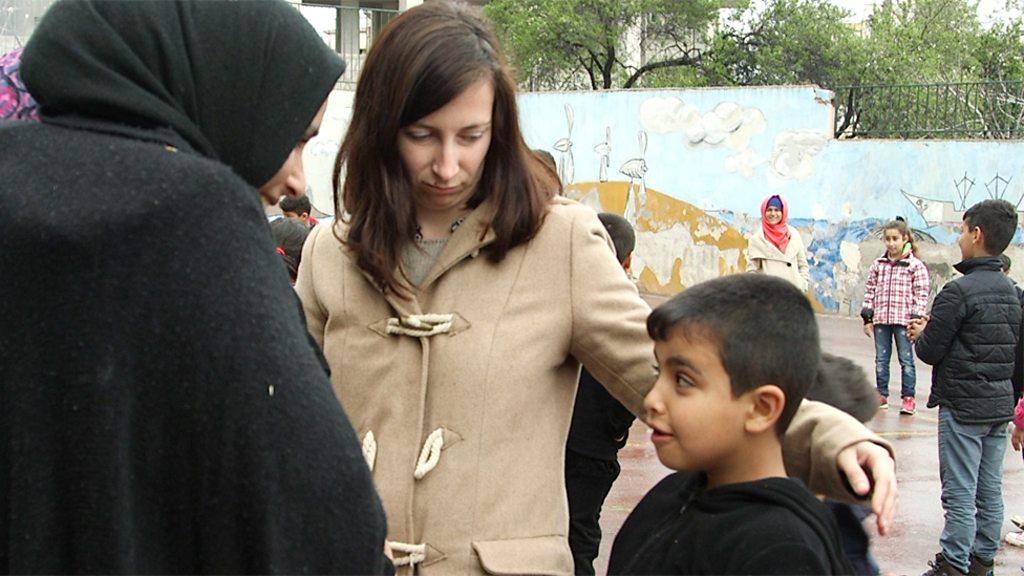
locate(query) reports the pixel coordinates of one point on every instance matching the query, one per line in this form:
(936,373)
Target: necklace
(455,226)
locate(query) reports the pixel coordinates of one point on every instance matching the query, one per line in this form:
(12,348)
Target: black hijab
(152,65)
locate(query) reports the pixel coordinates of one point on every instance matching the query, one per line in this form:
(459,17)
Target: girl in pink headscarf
(776,248)
(15,101)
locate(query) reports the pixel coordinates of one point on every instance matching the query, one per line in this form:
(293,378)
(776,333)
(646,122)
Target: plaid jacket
(895,290)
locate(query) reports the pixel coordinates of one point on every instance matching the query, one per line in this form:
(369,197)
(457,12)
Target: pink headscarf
(777,234)
(15,101)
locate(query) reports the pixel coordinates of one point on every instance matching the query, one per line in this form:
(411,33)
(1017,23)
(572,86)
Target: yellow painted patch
(661,213)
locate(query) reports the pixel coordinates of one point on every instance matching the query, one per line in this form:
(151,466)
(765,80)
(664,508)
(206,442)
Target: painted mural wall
(690,168)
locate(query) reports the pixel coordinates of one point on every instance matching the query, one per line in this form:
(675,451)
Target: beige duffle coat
(464,417)
(763,256)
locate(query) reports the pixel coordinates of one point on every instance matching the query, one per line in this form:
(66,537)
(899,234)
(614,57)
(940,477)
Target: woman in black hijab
(161,408)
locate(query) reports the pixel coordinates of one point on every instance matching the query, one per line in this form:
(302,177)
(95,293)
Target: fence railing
(349,30)
(959,110)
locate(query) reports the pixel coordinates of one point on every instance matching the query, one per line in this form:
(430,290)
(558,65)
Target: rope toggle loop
(430,454)
(370,449)
(420,325)
(416,553)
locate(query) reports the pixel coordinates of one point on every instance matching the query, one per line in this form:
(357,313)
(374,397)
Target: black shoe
(979,567)
(941,567)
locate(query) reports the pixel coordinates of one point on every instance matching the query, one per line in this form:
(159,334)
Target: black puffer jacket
(971,341)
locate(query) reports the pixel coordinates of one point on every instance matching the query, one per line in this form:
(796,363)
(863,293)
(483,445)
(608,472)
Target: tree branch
(684,60)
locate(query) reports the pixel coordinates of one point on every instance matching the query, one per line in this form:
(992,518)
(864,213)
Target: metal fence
(959,110)
(348,30)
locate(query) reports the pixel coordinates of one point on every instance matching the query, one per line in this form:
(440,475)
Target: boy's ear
(978,236)
(766,404)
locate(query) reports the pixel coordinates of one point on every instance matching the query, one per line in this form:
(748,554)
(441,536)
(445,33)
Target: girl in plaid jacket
(896,291)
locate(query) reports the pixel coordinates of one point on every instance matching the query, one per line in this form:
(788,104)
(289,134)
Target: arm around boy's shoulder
(811,447)
(609,319)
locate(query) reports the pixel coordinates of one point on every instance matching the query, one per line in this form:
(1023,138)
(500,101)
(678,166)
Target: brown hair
(422,60)
(901,226)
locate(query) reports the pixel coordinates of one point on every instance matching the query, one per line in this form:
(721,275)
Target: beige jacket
(763,256)
(465,429)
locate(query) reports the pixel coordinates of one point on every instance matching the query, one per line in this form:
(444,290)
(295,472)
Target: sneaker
(883,402)
(909,406)
(1018,521)
(979,567)
(1014,538)
(941,567)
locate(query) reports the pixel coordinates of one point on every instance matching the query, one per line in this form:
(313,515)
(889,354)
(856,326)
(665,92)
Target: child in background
(289,236)
(896,292)
(298,208)
(844,385)
(724,396)
(1017,432)
(1017,441)
(971,338)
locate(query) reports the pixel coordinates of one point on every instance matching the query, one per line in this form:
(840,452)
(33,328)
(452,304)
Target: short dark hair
(762,326)
(842,384)
(621,232)
(289,236)
(997,219)
(1006,262)
(296,204)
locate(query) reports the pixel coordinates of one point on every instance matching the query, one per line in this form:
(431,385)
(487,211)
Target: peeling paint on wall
(696,164)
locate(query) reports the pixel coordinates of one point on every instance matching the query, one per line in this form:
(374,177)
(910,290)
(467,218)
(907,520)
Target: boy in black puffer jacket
(970,338)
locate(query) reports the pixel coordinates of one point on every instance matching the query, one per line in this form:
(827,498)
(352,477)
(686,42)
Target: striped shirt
(896,289)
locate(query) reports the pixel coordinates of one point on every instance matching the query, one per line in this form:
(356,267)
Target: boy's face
(969,239)
(696,423)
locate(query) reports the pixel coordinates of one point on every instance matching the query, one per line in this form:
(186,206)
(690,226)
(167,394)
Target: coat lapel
(403,306)
(474,234)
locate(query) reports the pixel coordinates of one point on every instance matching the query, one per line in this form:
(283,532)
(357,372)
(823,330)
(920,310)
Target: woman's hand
(870,469)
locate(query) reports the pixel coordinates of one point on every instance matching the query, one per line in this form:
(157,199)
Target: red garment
(777,234)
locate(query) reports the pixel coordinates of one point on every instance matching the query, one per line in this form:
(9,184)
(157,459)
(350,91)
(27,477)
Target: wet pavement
(914,538)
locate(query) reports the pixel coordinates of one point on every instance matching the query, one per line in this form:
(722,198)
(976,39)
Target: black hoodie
(161,407)
(770,526)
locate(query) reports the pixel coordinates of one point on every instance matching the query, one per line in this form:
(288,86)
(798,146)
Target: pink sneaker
(909,406)
(883,402)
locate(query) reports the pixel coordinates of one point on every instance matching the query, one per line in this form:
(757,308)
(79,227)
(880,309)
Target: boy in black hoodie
(735,357)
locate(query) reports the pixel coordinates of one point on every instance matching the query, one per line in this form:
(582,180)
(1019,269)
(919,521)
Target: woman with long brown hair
(457,296)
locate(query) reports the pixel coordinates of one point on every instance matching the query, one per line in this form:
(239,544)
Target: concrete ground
(914,539)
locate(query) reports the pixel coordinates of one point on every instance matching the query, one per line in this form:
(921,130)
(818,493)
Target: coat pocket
(543,555)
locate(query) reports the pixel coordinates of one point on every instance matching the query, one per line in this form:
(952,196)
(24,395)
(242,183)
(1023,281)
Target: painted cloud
(728,124)
(793,156)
